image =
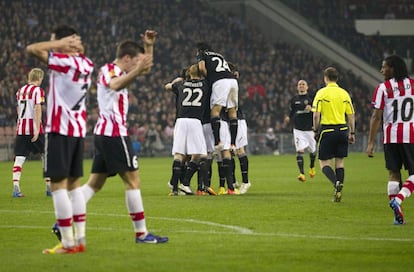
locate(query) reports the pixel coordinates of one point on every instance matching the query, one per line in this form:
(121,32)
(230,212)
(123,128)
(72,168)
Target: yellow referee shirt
(333,103)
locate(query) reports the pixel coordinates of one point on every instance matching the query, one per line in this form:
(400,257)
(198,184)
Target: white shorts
(225,92)
(304,140)
(208,135)
(241,139)
(225,134)
(189,137)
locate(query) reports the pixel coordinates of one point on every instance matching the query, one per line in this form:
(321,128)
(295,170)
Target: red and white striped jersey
(70,79)
(396,100)
(27,97)
(113,105)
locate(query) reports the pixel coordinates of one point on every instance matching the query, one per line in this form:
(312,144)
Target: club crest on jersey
(111,73)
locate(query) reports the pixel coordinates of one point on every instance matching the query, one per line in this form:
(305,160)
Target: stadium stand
(336,20)
(269,70)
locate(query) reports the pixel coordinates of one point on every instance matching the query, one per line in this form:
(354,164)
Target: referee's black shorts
(113,155)
(24,145)
(397,155)
(333,142)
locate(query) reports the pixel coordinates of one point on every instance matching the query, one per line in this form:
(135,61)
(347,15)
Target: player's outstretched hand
(149,37)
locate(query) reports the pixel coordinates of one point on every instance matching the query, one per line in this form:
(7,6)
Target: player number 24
(222,65)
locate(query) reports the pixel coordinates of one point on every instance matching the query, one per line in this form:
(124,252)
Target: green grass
(279,225)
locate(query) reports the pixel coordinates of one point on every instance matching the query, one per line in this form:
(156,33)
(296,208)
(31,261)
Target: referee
(332,107)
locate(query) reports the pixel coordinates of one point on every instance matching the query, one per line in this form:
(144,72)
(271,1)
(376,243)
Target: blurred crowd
(335,19)
(269,71)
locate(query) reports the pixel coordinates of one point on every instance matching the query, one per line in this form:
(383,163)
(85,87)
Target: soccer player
(70,79)
(224,158)
(241,143)
(330,106)
(113,148)
(205,172)
(393,104)
(30,137)
(193,97)
(224,92)
(302,116)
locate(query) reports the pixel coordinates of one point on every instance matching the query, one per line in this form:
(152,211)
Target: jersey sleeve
(291,108)
(175,87)
(39,96)
(349,107)
(106,73)
(378,100)
(59,62)
(316,106)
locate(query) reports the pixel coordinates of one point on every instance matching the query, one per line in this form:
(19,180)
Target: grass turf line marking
(237,230)
(283,235)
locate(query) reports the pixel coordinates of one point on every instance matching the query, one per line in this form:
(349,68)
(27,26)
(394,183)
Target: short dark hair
(62,31)
(203,46)
(130,48)
(234,69)
(184,72)
(399,66)
(331,73)
(232,66)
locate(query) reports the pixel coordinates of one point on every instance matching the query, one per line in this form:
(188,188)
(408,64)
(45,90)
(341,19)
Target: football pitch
(281,224)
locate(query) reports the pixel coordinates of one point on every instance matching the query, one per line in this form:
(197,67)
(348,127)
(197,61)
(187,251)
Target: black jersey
(216,66)
(193,98)
(302,119)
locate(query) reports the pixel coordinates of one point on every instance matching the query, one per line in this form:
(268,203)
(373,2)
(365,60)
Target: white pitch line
(237,230)
(240,230)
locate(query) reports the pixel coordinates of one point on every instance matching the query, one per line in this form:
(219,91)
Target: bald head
(302,87)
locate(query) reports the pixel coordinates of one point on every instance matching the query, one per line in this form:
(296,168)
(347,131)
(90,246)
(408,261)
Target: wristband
(352,133)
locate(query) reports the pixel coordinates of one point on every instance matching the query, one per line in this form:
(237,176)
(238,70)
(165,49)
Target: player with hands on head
(393,106)
(69,80)
(113,148)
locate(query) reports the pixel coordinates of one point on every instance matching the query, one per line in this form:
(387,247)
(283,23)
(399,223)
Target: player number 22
(189,94)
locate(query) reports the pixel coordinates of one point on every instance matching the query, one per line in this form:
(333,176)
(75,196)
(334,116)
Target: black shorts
(397,155)
(63,156)
(24,145)
(333,142)
(113,155)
